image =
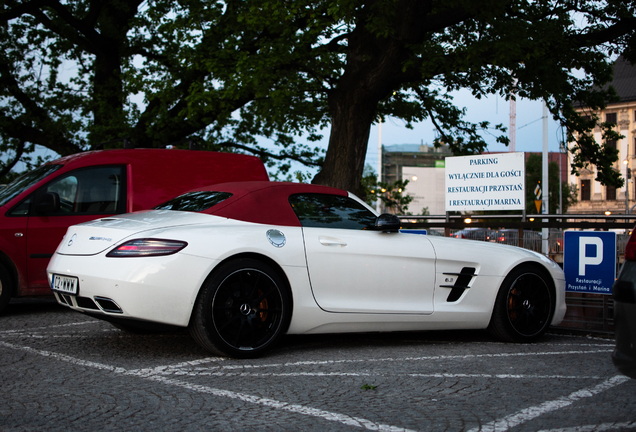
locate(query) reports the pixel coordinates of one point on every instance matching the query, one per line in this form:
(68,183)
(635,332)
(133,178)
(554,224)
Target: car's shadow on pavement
(398,340)
(29,306)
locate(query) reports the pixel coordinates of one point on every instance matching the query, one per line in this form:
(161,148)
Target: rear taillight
(630,248)
(147,247)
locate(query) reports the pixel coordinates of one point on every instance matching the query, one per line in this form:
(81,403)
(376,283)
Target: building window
(611,143)
(610,193)
(610,118)
(585,190)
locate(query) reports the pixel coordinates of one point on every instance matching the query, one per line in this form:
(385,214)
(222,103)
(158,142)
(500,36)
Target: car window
(95,190)
(331,211)
(25,181)
(194,201)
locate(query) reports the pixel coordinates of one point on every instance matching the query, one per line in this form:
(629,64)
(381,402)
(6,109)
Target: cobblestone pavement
(65,371)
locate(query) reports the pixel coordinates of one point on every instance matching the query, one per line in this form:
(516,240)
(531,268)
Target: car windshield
(25,181)
(194,201)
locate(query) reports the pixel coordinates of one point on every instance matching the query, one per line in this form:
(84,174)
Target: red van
(38,207)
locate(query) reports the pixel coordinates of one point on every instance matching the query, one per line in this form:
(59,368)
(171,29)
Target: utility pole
(379,202)
(512,131)
(628,176)
(545,246)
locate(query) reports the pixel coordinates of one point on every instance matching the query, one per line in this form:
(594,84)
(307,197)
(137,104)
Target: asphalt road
(64,371)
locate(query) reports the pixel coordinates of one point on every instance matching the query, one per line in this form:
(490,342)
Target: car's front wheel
(242,309)
(524,307)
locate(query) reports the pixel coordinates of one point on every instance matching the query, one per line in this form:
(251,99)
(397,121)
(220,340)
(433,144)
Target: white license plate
(65,284)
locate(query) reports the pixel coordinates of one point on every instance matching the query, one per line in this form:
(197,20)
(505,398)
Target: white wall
(427,190)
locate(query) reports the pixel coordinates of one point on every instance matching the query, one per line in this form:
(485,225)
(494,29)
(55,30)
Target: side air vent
(461,283)
(107,305)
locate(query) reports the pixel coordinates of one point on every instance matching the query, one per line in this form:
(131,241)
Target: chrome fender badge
(276,238)
(70,242)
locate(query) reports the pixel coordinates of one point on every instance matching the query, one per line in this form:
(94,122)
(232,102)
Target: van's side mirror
(387,222)
(48,202)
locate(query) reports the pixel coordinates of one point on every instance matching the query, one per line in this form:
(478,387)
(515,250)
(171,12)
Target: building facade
(594,198)
(423,166)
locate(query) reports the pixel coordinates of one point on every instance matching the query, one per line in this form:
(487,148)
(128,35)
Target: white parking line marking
(294,408)
(533,412)
(298,409)
(10,332)
(328,374)
(403,359)
(161,373)
(594,428)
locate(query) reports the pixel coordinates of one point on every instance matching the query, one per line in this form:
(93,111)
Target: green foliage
(75,74)
(80,74)
(369,387)
(296,177)
(393,196)
(369,184)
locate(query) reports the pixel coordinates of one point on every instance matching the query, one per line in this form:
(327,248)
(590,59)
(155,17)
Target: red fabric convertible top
(263,202)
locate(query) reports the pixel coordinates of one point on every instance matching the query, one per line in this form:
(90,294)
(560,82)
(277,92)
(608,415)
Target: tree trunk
(352,116)
(375,67)
(109,118)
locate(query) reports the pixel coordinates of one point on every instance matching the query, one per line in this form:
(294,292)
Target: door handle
(331,241)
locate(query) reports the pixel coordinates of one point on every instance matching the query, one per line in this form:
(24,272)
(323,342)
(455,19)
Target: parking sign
(589,261)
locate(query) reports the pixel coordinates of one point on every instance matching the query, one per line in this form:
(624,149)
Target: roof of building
(415,148)
(624,81)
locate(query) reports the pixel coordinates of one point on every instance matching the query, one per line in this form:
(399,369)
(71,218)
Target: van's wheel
(5,288)
(242,309)
(524,306)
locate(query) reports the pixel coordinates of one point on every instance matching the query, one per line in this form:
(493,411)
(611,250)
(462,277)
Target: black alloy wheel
(242,309)
(524,307)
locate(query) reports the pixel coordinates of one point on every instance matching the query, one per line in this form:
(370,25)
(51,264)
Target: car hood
(91,238)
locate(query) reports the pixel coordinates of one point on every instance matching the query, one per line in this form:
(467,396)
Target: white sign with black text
(485,182)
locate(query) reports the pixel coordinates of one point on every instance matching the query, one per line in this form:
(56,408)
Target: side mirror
(387,223)
(48,202)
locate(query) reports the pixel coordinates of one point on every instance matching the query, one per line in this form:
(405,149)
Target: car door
(84,195)
(355,269)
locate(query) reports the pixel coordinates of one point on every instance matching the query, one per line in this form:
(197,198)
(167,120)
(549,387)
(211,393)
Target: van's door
(78,196)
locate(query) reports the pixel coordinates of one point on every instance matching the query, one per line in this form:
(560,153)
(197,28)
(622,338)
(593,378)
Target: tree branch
(263,153)
(9,165)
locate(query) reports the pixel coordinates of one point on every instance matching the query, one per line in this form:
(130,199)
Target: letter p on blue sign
(589,261)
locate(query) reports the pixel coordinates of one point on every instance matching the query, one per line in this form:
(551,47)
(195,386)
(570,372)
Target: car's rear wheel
(242,309)
(5,288)
(524,307)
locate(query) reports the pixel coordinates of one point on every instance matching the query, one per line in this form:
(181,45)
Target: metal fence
(593,313)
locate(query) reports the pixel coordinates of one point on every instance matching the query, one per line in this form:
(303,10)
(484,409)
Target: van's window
(25,181)
(95,190)
(194,201)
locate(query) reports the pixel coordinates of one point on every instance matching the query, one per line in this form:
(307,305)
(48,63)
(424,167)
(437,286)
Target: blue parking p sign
(589,261)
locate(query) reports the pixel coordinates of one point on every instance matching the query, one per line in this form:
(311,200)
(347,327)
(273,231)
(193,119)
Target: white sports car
(240,264)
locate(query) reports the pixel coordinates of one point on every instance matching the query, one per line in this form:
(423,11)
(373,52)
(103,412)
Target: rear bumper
(160,289)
